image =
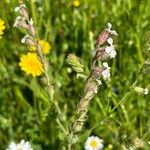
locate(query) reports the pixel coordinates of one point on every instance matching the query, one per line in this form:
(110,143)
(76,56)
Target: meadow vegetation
(39,100)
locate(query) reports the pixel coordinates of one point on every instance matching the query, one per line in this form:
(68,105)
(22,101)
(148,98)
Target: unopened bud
(74,61)
(102,38)
(101,54)
(97,72)
(141,90)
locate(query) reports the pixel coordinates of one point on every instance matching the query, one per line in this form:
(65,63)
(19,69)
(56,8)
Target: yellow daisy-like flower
(76,3)
(2,27)
(30,64)
(45,46)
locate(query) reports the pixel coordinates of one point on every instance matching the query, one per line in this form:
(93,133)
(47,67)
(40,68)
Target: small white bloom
(23,5)
(141,90)
(113,53)
(109,26)
(23,145)
(31,21)
(110,49)
(145,91)
(106,72)
(17,21)
(114,32)
(105,64)
(93,143)
(23,40)
(19,7)
(110,41)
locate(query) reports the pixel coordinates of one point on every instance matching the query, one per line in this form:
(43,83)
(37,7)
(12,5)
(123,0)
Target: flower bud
(102,38)
(141,90)
(74,61)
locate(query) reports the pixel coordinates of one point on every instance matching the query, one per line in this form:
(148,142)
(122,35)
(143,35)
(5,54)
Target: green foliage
(117,114)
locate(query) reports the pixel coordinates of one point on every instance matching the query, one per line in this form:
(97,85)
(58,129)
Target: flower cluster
(105,50)
(93,143)
(2,28)
(31,63)
(103,53)
(23,145)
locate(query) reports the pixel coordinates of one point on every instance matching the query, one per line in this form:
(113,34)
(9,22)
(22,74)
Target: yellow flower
(2,27)
(76,3)
(30,64)
(45,46)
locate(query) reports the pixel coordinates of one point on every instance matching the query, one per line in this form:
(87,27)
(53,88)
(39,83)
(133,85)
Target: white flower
(17,21)
(110,41)
(141,90)
(145,91)
(106,72)
(23,145)
(109,26)
(93,143)
(31,21)
(110,49)
(114,32)
(23,40)
(19,7)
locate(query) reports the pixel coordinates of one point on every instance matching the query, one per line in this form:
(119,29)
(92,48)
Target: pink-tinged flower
(102,37)
(21,22)
(22,10)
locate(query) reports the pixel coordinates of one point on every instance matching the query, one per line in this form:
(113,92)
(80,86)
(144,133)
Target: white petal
(110,41)
(17,9)
(114,32)
(31,21)
(113,54)
(23,40)
(12,146)
(109,26)
(106,74)
(22,146)
(108,49)
(145,91)
(23,5)
(105,64)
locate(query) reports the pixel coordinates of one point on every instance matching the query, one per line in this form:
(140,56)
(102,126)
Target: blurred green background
(24,110)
